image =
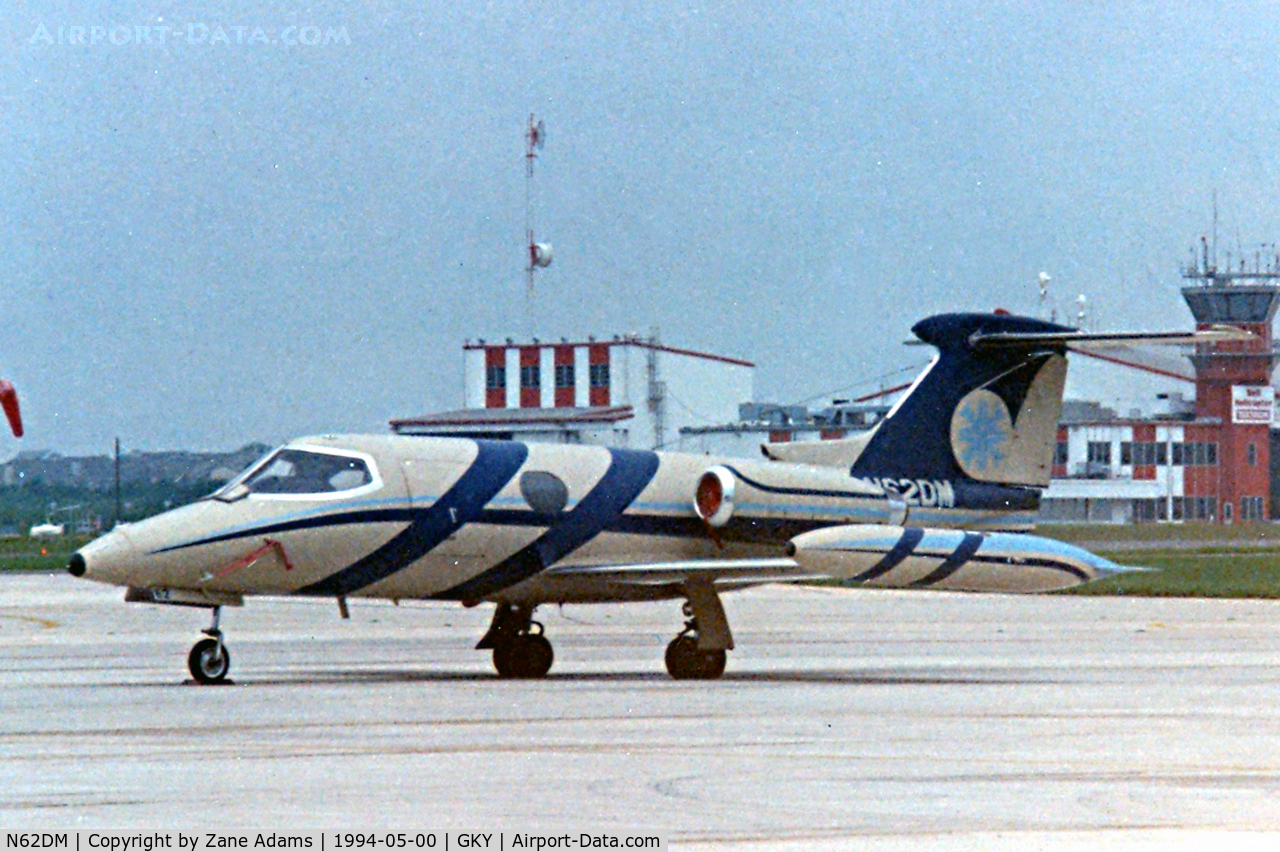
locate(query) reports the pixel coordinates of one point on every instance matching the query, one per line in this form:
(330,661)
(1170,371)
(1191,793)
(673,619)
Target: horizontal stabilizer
(1158,361)
(1084,341)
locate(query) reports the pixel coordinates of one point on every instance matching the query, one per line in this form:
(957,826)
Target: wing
(882,556)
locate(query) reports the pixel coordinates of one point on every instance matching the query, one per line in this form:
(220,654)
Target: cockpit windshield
(295,471)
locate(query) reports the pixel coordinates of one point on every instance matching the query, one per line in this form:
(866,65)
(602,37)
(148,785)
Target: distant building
(759,422)
(626,392)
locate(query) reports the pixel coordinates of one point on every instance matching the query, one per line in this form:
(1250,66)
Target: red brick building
(1209,463)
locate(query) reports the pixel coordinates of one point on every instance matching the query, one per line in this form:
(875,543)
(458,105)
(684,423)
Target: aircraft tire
(206,664)
(685,661)
(527,656)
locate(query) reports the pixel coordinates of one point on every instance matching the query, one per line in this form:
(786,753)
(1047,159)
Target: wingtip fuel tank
(954,560)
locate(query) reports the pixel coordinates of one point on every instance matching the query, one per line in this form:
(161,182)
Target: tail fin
(981,412)
(985,410)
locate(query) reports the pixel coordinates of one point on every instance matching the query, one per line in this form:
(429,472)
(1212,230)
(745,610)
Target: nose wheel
(209,660)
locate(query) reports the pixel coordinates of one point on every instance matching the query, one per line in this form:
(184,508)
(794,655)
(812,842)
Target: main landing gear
(686,660)
(209,660)
(520,650)
(698,653)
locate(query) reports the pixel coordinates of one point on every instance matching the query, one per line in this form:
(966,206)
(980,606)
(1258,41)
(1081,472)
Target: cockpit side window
(292,471)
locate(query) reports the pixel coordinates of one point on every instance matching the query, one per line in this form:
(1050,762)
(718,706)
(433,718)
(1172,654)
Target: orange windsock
(9,402)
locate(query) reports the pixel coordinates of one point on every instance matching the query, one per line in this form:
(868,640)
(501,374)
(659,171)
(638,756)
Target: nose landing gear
(520,650)
(209,660)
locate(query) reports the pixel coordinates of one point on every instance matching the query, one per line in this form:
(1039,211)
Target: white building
(624,392)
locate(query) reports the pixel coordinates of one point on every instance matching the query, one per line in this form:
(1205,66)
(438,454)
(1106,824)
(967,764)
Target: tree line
(82,508)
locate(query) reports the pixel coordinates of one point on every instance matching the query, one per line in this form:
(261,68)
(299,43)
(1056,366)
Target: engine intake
(713,498)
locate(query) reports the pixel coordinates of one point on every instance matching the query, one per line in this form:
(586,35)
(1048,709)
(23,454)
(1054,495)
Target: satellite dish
(540,254)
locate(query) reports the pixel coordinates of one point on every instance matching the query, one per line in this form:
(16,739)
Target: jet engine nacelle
(917,557)
(792,491)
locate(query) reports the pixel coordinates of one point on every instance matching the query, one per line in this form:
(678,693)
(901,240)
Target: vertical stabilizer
(988,414)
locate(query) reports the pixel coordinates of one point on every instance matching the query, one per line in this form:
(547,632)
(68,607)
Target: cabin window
(292,471)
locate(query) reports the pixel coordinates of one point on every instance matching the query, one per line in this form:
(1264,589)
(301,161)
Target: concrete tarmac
(846,719)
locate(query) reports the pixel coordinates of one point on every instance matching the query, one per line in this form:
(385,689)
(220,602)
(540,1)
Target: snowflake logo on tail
(981,434)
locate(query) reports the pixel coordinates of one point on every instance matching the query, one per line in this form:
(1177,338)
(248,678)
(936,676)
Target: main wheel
(527,655)
(686,661)
(209,661)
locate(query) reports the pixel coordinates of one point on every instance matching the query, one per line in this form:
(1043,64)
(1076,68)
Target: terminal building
(1204,461)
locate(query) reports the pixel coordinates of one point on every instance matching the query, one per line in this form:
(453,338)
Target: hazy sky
(208,243)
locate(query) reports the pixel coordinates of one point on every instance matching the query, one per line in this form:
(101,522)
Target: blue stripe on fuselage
(495,464)
(628,473)
(362,512)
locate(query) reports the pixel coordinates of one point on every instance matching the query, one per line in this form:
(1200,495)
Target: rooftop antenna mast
(1044,298)
(539,254)
(1215,230)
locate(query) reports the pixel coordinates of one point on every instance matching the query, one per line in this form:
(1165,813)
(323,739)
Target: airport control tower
(1233,380)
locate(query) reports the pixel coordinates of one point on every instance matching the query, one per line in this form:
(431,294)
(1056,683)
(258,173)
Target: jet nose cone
(109,559)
